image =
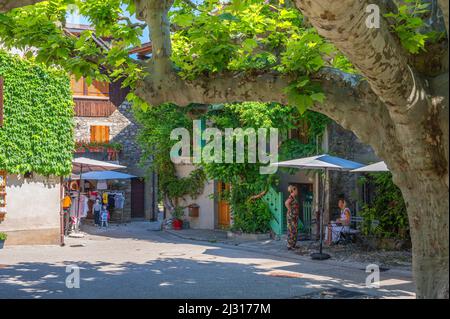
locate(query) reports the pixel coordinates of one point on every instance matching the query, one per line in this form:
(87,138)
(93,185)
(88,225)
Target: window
(81,89)
(99,134)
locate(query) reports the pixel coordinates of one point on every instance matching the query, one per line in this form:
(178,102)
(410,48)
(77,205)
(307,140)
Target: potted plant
(3,237)
(177,215)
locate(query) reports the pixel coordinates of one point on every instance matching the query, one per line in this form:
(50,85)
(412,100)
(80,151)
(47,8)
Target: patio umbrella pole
(320,255)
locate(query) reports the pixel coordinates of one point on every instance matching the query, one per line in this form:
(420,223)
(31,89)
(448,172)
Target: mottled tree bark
(443,4)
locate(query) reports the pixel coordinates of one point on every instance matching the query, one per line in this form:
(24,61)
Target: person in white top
(341,224)
(345,215)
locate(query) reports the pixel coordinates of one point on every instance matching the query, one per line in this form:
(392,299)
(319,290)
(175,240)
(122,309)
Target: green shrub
(252,217)
(387,207)
(3,236)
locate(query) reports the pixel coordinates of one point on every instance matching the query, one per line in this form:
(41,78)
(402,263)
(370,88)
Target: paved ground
(129,261)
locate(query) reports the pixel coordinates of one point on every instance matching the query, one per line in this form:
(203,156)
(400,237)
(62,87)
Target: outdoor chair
(347,236)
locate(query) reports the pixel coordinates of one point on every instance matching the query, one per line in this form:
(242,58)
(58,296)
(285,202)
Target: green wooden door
(276,206)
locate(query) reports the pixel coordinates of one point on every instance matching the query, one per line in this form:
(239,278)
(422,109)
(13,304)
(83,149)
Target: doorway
(137,198)
(224,216)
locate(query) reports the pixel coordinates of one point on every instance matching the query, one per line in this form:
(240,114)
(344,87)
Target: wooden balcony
(93,107)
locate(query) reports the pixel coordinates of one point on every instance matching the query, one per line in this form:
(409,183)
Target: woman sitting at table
(341,224)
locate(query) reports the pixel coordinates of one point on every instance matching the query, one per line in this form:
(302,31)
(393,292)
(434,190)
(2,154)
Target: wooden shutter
(99,134)
(77,86)
(98,88)
(1,101)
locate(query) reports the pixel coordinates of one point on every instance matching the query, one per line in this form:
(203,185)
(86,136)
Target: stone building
(106,130)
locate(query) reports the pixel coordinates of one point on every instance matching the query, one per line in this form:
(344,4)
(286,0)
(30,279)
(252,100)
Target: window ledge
(90,97)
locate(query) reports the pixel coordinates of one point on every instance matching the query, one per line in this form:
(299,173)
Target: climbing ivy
(37,135)
(250,212)
(250,36)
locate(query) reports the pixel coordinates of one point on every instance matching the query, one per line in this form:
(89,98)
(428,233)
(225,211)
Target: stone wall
(123,129)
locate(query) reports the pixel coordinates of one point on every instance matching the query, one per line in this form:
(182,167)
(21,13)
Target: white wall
(206,218)
(32,205)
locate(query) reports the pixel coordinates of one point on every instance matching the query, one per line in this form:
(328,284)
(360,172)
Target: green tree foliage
(250,36)
(240,36)
(409,25)
(387,207)
(37,135)
(42,27)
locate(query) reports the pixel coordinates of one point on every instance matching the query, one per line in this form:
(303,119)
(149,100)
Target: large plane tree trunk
(416,104)
(427,204)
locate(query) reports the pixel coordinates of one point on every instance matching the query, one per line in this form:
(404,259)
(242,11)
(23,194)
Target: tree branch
(7,5)
(131,24)
(375,52)
(155,14)
(350,100)
(191,4)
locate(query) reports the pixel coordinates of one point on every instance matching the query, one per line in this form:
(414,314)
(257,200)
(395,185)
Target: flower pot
(2,216)
(177,224)
(94,149)
(2,243)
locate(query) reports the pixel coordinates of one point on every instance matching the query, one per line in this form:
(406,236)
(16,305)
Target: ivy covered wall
(37,134)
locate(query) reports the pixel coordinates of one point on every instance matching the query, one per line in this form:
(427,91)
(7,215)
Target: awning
(324,161)
(377,167)
(105,175)
(83,164)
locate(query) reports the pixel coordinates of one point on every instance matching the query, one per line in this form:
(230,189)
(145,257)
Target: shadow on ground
(170,276)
